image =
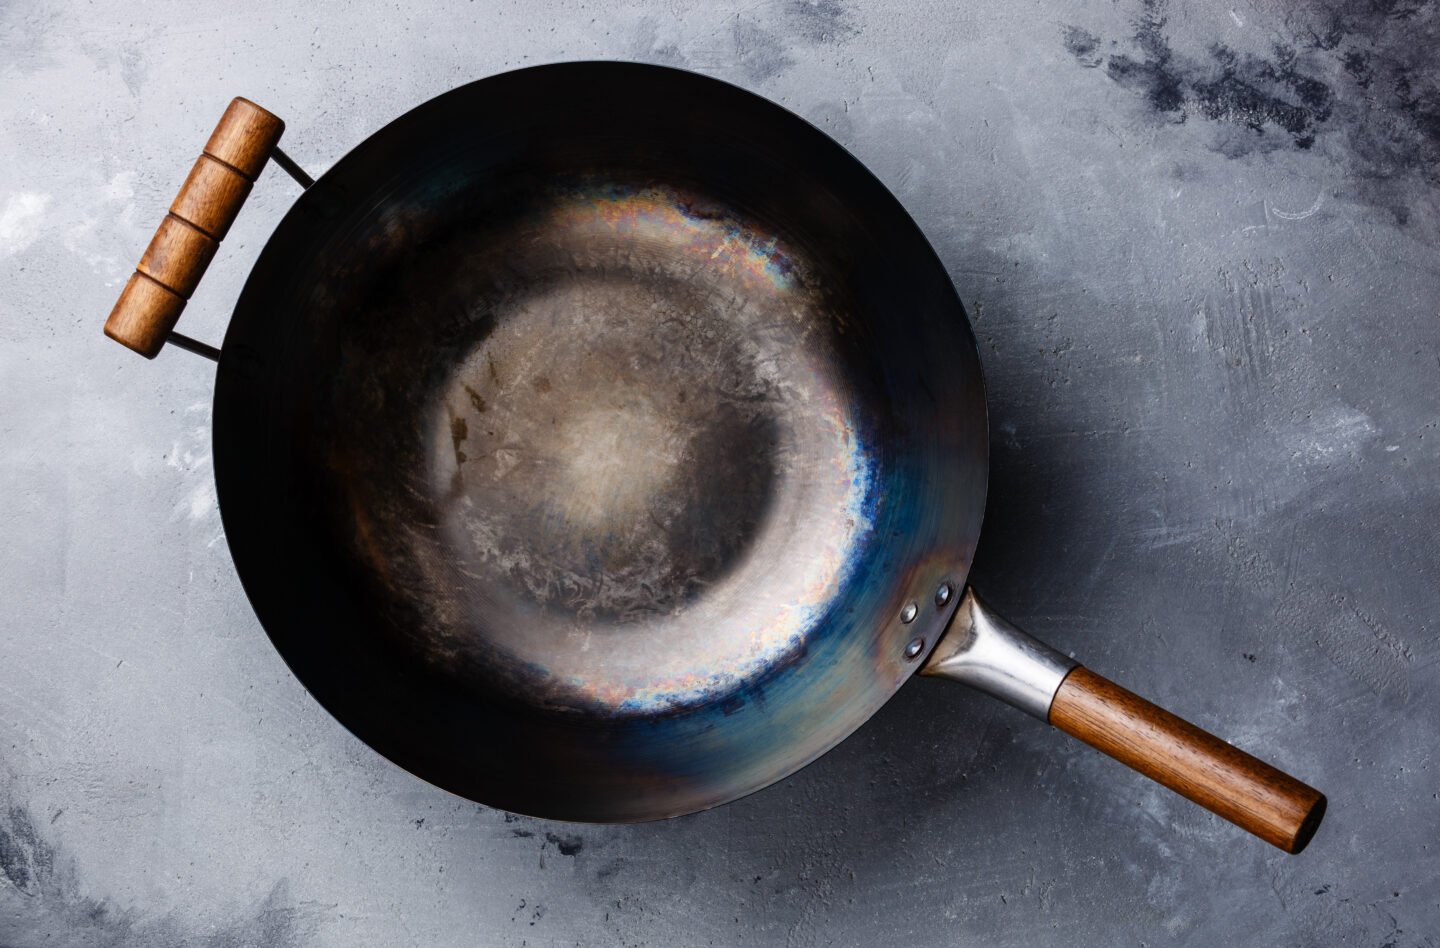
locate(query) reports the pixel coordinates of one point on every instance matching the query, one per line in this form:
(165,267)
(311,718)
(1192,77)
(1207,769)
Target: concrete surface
(1199,246)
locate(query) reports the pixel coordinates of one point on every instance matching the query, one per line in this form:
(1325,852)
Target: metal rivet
(914,648)
(908,614)
(942,595)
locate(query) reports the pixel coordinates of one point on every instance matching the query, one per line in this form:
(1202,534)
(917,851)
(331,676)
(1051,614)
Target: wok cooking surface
(582,434)
(598,502)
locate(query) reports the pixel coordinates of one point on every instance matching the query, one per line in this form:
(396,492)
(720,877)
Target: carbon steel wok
(603,442)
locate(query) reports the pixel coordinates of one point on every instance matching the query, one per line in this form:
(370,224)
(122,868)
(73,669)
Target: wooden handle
(1195,764)
(203,211)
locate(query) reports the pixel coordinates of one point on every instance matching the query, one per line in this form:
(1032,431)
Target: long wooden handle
(1195,764)
(202,213)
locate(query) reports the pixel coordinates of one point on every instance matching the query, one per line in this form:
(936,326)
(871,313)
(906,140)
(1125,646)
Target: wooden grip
(1194,763)
(199,218)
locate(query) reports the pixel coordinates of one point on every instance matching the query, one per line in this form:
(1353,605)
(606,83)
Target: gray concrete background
(1199,248)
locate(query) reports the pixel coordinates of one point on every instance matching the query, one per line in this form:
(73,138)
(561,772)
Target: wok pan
(603,442)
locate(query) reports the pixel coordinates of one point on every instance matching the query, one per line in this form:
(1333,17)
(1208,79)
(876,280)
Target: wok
(603,442)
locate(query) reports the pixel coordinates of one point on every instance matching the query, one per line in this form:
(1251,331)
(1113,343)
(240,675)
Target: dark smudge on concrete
(820,21)
(1258,93)
(758,52)
(41,902)
(1084,46)
(569,845)
(24,858)
(1357,80)
(1154,73)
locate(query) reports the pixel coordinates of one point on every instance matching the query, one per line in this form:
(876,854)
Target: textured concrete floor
(1200,250)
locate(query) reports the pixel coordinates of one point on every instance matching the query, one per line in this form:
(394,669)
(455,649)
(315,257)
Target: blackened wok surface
(581,435)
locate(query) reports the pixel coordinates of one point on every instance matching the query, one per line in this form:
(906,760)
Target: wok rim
(226,487)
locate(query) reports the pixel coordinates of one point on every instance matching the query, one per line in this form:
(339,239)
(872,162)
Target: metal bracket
(193,345)
(982,650)
(291,168)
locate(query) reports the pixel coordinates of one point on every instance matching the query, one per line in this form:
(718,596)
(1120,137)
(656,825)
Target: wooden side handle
(203,211)
(1195,764)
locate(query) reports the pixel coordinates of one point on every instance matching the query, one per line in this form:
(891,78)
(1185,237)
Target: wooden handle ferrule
(1194,763)
(201,215)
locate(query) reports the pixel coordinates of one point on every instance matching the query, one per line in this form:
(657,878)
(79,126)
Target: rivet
(914,648)
(942,595)
(908,614)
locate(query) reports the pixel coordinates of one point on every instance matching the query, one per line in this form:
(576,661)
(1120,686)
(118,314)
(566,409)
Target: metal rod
(291,168)
(194,345)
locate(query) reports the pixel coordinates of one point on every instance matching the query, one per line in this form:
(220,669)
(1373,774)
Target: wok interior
(580,436)
(627,470)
